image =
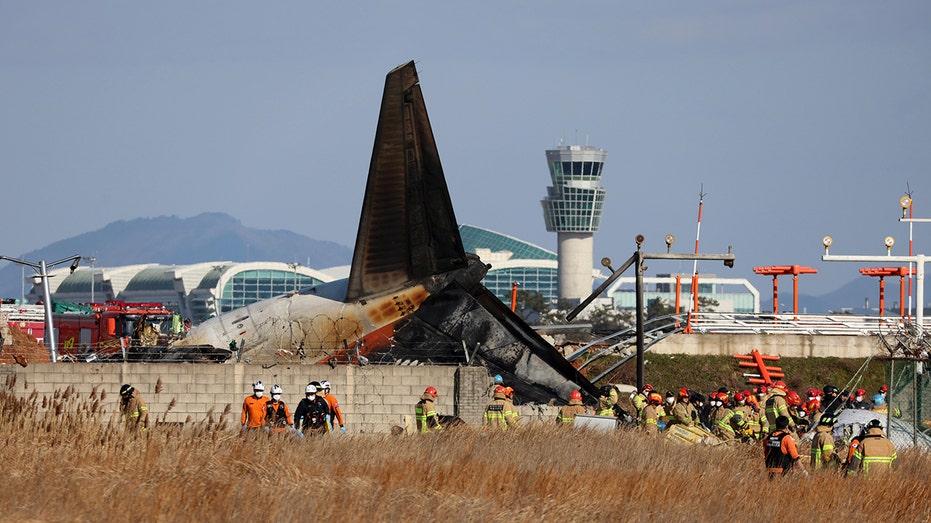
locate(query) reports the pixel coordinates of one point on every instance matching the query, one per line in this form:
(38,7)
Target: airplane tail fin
(407,230)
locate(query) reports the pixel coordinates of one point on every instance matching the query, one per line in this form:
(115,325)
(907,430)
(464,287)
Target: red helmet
(722,397)
(861,392)
(655,398)
(648,388)
(739,396)
(884,388)
(683,393)
(762,389)
(792,398)
(780,385)
(499,389)
(575,395)
(431,390)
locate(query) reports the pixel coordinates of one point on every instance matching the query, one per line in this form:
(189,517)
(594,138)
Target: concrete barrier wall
(785,345)
(373,398)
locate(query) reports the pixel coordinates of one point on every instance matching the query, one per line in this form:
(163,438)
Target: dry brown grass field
(65,458)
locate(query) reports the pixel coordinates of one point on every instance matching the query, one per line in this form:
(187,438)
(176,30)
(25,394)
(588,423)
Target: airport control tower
(572,209)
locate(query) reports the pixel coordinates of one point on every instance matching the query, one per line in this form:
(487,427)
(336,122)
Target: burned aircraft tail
(408,235)
(408,230)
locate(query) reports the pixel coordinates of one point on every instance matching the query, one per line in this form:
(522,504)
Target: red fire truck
(112,328)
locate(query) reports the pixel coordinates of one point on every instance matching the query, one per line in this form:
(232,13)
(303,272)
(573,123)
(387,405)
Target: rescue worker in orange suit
(134,410)
(253,408)
(875,454)
(277,415)
(822,446)
(777,405)
(683,412)
(567,413)
(649,416)
(310,416)
(425,412)
(494,411)
(779,451)
(510,412)
(335,412)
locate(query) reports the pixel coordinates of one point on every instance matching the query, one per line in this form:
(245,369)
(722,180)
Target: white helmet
(310,389)
(276,389)
(258,386)
(325,384)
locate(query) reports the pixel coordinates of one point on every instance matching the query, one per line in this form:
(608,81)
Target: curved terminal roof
(474,238)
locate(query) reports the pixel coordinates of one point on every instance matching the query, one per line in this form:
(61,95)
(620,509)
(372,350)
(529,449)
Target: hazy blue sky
(800,118)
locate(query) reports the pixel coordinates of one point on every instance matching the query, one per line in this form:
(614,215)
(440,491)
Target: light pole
(294,266)
(92,260)
(41,269)
(907,204)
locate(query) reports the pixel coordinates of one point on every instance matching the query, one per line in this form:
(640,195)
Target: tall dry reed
(67,458)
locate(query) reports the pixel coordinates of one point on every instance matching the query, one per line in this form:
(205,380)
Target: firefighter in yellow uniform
(135,411)
(607,401)
(649,416)
(567,413)
(875,454)
(510,412)
(425,412)
(822,446)
(494,411)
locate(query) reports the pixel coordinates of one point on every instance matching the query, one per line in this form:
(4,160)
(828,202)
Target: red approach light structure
(778,270)
(767,374)
(882,272)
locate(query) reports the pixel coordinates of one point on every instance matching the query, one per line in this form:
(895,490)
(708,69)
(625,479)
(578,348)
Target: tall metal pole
(638,279)
(49,324)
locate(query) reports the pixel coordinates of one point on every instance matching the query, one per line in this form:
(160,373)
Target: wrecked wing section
(455,325)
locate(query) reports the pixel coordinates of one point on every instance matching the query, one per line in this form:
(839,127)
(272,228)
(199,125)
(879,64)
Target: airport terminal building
(204,290)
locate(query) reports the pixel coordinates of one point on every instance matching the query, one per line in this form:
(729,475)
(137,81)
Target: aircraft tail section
(407,230)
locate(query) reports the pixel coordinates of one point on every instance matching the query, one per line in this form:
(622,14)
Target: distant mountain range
(208,237)
(170,240)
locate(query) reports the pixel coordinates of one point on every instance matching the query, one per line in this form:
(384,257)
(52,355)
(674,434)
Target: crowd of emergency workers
(771,414)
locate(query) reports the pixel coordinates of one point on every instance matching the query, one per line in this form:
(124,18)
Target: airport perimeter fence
(909,417)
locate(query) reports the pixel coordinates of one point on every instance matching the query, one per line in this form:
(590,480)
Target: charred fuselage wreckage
(413,293)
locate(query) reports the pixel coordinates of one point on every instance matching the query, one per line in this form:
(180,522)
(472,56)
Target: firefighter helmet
(575,395)
(126,390)
(499,389)
(761,390)
(780,385)
(861,392)
(874,424)
(276,389)
(648,388)
(654,398)
(683,393)
(310,389)
(508,392)
(884,388)
(258,386)
(325,384)
(431,390)
(792,398)
(739,397)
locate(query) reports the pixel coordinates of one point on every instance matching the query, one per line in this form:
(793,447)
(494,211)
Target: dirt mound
(21,348)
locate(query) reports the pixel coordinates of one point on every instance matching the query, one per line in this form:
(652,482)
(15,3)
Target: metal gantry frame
(918,260)
(41,269)
(637,259)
